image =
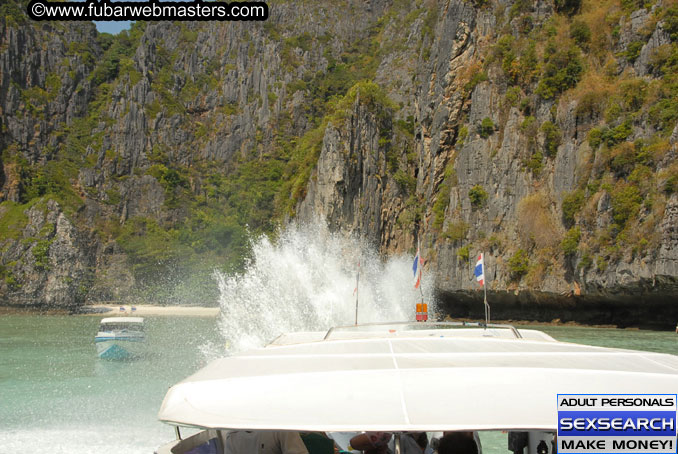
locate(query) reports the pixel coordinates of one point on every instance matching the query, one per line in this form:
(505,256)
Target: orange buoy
(422,312)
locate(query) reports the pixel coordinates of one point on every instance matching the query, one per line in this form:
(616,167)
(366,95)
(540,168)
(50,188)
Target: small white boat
(432,377)
(120,338)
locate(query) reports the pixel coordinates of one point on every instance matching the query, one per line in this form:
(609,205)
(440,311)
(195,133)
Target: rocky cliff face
(52,260)
(43,85)
(506,167)
(164,146)
(540,133)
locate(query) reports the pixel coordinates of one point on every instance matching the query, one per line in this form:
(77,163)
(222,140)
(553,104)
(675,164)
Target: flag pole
(487,306)
(421,285)
(421,310)
(424,308)
(421,272)
(357,278)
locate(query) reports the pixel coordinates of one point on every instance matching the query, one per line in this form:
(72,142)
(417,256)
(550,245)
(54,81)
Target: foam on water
(81,440)
(56,396)
(305,281)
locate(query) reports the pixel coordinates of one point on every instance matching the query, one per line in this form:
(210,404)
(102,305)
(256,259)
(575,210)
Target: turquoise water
(651,341)
(56,396)
(654,341)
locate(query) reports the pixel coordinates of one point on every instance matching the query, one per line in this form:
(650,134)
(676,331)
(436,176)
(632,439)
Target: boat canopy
(426,381)
(130,320)
(475,330)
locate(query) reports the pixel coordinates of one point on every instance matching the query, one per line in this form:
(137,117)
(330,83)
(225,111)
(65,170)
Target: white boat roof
(122,320)
(314,336)
(416,381)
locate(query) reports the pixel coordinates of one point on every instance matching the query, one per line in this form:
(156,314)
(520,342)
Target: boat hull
(120,348)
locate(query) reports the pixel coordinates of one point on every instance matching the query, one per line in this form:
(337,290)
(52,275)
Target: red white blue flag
(416,268)
(480,270)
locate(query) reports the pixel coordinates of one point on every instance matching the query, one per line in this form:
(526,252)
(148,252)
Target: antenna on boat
(357,282)
(357,277)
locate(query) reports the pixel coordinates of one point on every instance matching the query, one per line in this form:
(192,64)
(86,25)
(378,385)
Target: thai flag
(416,269)
(480,270)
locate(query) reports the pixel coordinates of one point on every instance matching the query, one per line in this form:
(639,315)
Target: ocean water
(57,397)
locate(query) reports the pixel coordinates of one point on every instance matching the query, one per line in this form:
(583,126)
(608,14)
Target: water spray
(306,280)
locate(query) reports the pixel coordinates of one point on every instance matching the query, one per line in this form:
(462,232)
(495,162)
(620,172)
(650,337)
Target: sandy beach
(142,310)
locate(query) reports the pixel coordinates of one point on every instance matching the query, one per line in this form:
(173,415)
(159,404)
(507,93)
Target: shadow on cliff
(640,307)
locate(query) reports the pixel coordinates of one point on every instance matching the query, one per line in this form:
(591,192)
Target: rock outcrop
(482,190)
(53,259)
(540,133)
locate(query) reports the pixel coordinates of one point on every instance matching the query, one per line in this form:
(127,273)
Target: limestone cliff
(540,133)
(511,166)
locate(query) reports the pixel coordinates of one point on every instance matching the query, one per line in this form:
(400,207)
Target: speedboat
(405,377)
(120,338)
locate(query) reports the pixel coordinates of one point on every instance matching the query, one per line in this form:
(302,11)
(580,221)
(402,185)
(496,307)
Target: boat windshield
(121,327)
(423,329)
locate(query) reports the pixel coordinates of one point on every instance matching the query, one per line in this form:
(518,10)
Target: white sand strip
(145,309)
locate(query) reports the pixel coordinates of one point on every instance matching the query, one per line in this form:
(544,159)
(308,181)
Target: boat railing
(414,326)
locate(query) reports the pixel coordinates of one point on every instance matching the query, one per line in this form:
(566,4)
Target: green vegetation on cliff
(172,144)
(203,210)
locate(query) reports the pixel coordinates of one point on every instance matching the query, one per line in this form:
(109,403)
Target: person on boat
(264,442)
(382,443)
(459,443)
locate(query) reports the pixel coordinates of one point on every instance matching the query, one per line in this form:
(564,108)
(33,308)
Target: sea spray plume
(305,281)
